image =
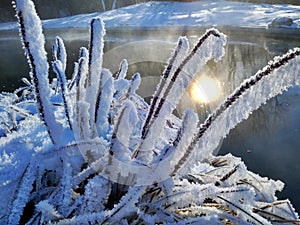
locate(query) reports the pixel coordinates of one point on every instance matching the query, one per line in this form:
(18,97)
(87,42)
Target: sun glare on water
(205,90)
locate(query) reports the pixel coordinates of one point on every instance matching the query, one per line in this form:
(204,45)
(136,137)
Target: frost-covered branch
(125,123)
(178,54)
(23,195)
(94,68)
(210,45)
(33,41)
(122,70)
(59,52)
(103,103)
(83,52)
(58,68)
(81,127)
(280,74)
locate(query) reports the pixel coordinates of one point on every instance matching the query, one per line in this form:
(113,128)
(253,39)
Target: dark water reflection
(268,141)
(13,65)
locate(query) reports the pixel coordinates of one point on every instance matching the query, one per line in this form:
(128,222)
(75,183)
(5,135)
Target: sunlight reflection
(205,90)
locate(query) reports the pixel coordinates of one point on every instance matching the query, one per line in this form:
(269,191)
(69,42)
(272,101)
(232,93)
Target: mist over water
(268,141)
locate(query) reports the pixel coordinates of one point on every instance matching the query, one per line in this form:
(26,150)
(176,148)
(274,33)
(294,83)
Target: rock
(282,22)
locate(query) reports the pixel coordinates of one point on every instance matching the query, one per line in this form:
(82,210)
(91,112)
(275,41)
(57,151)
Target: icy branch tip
(99,23)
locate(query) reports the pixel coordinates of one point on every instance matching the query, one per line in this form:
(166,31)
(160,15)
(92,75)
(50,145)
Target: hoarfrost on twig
(121,160)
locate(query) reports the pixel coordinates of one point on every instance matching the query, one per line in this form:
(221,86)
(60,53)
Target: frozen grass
(91,151)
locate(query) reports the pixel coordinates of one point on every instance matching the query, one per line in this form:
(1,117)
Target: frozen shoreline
(194,15)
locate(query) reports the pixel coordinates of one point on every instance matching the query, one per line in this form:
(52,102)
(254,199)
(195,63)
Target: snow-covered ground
(168,14)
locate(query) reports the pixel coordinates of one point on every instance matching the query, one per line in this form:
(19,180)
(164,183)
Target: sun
(205,90)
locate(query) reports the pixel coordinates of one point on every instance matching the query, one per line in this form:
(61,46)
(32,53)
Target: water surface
(268,141)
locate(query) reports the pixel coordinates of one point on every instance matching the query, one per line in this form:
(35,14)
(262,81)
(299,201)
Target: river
(268,141)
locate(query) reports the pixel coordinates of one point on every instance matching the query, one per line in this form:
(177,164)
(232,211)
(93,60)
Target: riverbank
(174,14)
(61,8)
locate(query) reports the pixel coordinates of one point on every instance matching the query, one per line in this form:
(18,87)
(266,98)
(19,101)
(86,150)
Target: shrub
(91,151)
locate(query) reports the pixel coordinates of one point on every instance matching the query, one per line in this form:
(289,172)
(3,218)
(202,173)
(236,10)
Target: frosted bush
(91,151)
